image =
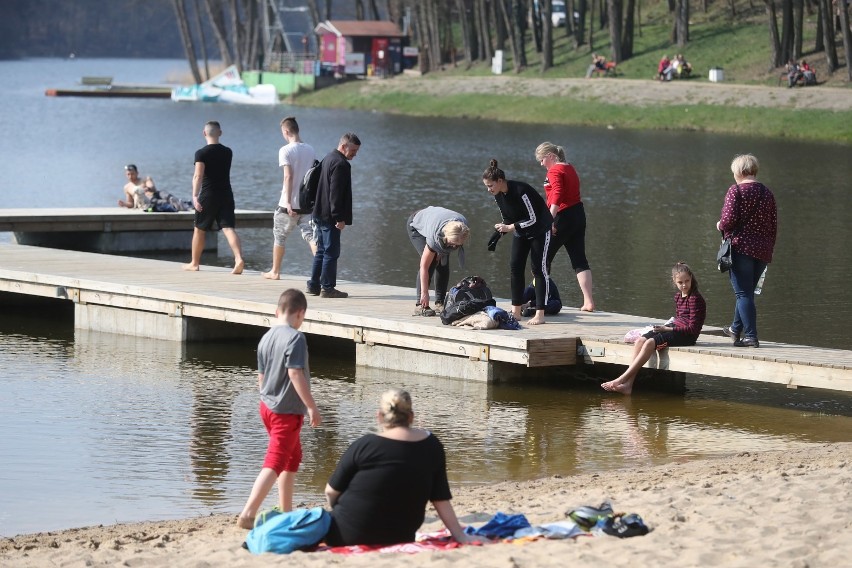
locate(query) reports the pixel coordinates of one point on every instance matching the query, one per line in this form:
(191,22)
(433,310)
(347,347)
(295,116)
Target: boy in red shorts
(285,394)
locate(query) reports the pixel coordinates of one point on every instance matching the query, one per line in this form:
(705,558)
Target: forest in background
(454,32)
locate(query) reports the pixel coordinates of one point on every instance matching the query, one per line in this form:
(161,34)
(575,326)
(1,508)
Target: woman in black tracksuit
(526,215)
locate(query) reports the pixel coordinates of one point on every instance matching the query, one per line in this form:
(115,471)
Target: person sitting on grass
(682,66)
(684,330)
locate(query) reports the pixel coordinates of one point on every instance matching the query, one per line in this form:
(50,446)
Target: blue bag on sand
(285,532)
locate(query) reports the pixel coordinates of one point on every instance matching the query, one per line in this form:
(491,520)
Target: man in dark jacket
(332,212)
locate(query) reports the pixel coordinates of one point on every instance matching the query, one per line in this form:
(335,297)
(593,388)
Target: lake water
(123,429)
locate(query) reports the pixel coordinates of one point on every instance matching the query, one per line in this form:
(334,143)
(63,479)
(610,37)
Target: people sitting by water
(682,67)
(134,189)
(379,490)
(690,312)
(794,73)
(143,194)
(159,201)
(598,65)
(665,69)
(808,74)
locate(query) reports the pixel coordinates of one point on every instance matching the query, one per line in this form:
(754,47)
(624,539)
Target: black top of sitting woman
(380,489)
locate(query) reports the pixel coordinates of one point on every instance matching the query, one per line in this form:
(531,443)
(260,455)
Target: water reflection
(150,429)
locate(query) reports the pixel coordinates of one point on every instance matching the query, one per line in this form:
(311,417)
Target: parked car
(558,13)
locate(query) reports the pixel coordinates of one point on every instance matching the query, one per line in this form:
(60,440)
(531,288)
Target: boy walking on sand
(285,394)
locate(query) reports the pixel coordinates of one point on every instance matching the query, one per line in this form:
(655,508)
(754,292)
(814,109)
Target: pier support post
(413,361)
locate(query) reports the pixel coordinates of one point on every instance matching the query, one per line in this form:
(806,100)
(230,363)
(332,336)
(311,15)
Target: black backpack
(308,188)
(465,298)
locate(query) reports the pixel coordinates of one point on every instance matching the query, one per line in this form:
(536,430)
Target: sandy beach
(752,509)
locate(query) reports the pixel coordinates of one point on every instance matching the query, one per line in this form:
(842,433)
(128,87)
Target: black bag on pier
(465,298)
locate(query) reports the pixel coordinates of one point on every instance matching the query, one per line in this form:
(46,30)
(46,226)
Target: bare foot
(588,308)
(270,275)
(615,386)
(536,320)
(245,522)
(190,267)
(238,267)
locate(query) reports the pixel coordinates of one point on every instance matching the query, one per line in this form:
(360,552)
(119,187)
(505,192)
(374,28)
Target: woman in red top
(562,194)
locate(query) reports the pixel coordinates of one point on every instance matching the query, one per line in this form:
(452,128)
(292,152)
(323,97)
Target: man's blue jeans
(324,271)
(745,272)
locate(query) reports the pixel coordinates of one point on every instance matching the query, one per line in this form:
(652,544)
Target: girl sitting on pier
(690,311)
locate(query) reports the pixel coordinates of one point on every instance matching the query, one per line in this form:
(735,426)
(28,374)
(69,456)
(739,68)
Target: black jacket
(523,207)
(334,194)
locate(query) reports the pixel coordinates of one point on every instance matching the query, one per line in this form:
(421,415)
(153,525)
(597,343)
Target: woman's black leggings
(521,249)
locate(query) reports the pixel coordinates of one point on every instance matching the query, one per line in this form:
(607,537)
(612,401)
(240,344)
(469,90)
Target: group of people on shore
(677,68)
(379,490)
(749,218)
(540,227)
(800,73)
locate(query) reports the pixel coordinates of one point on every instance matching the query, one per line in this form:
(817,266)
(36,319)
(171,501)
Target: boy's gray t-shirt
(282,348)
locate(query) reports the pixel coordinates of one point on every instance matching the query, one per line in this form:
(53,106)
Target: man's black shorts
(218,212)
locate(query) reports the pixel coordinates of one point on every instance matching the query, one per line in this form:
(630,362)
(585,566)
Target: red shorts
(284,452)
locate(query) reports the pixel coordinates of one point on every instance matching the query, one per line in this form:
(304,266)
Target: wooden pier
(157,299)
(112,229)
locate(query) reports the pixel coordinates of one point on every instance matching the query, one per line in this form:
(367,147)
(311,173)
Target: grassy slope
(740,47)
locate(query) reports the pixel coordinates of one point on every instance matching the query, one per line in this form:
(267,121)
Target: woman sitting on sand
(378,492)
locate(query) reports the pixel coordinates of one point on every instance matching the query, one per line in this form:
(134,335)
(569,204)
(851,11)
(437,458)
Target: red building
(360,47)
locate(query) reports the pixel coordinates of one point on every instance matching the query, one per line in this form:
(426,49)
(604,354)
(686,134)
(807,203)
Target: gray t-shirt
(282,348)
(430,222)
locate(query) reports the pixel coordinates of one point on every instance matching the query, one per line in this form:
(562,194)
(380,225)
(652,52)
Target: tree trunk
(217,22)
(786,30)
(798,23)
(201,40)
(423,38)
(547,34)
(847,41)
(186,37)
(535,18)
(820,31)
(463,7)
(510,28)
(485,30)
(615,8)
(520,22)
(591,27)
(328,9)
(359,10)
(775,43)
(374,10)
(830,44)
(627,34)
(313,9)
(236,34)
(580,26)
(681,35)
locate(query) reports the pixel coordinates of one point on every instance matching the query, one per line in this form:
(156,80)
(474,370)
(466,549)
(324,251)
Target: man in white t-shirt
(295,159)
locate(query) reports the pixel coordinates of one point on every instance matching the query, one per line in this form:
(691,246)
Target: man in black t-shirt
(213,198)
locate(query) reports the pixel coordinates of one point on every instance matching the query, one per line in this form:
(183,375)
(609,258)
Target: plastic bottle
(759,288)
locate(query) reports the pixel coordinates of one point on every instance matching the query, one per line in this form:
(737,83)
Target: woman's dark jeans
(745,272)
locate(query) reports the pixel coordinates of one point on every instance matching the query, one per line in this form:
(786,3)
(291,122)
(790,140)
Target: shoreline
(817,114)
(776,508)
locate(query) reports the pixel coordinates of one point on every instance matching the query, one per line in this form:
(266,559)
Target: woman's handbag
(723,257)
